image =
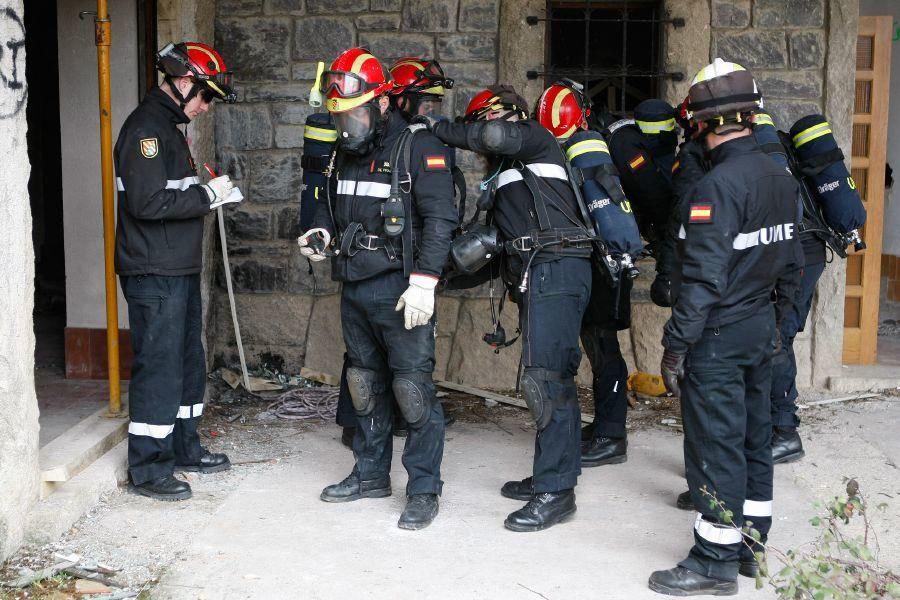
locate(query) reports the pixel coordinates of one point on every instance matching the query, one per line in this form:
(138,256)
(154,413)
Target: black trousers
(727,433)
(784,364)
(377,340)
(608,311)
(550,315)
(168,376)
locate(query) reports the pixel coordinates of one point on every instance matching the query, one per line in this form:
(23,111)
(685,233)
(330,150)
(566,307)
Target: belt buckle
(519,243)
(368,242)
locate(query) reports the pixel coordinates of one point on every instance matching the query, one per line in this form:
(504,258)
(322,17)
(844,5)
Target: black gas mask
(359,127)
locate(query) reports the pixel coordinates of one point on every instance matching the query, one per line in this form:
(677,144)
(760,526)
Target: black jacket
(361,184)
(738,243)
(161,204)
(520,145)
(647,184)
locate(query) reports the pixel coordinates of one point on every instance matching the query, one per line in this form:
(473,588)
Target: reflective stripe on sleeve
(757,508)
(764,119)
(181,184)
(682,234)
(722,535)
(191,411)
(540,169)
(159,432)
(363,188)
(120,185)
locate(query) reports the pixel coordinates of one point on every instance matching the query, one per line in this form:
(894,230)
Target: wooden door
(870,120)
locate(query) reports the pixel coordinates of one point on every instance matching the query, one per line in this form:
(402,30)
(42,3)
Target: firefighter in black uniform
(158,252)
(535,209)
(738,246)
(419,89)
(564,111)
(643,151)
(786,443)
(390,213)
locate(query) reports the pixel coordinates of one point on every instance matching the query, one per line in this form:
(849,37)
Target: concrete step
(55,514)
(73,451)
(865,378)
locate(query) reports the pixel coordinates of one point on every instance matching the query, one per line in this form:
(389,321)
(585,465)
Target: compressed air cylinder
(766,135)
(822,162)
(319,137)
(607,205)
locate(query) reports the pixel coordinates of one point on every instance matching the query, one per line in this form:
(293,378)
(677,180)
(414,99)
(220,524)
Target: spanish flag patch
(701,213)
(637,162)
(435,162)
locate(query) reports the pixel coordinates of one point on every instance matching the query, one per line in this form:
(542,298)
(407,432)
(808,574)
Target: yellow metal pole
(102,34)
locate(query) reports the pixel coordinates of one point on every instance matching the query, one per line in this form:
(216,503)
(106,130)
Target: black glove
(426,120)
(661,291)
(672,369)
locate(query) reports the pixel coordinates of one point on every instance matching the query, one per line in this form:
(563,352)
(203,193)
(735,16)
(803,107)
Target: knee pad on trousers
(540,401)
(362,385)
(411,390)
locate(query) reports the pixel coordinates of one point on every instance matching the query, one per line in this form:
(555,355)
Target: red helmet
(496,97)
(355,77)
(563,108)
(201,62)
(419,76)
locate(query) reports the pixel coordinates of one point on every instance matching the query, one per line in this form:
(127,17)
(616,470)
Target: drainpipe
(102,34)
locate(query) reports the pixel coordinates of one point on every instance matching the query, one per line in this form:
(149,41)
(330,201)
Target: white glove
(313,243)
(417,302)
(233,198)
(218,189)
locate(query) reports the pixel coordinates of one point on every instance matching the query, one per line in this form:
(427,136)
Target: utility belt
(568,241)
(355,239)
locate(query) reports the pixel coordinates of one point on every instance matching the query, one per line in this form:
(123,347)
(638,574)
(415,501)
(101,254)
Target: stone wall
(290,314)
(18,405)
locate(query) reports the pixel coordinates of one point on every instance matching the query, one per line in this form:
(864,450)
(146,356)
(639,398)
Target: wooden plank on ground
(81,445)
(488,395)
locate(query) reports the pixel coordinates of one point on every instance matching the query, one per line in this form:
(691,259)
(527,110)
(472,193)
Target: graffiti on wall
(13,89)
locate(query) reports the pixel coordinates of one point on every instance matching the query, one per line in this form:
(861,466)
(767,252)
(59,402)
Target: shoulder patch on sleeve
(436,162)
(637,161)
(701,213)
(149,147)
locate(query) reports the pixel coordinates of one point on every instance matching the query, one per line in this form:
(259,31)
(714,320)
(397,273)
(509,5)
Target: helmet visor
(356,123)
(346,85)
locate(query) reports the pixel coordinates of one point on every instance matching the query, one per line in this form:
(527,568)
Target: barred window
(613,48)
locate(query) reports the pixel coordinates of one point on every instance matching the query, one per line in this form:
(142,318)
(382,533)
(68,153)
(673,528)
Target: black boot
(209,463)
(684,582)
(587,432)
(347,436)
(786,445)
(518,490)
(543,511)
(604,451)
(684,501)
(163,488)
(421,509)
(748,567)
(352,488)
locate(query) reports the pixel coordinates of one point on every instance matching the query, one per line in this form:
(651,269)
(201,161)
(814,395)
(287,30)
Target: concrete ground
(260,531)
